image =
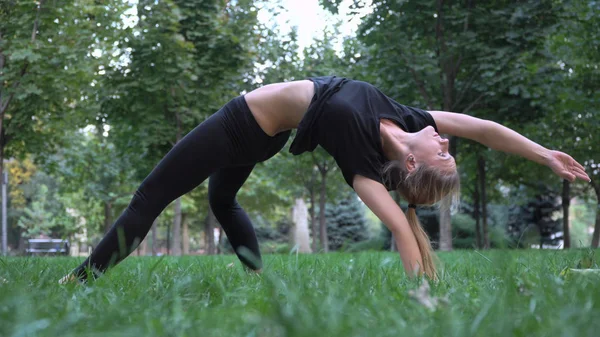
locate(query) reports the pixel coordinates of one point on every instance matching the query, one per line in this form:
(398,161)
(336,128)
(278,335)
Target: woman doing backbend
(378,144)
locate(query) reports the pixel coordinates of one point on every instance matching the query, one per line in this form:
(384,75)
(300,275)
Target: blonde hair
(425,185)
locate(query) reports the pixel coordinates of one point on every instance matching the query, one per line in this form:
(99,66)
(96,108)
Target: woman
(378,144)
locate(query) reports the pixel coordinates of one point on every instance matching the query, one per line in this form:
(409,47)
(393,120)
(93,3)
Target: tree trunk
(209,233)
(2,168)
(300,216)
(393,247)
(21,245)
(446,223)
(5,190)
(596,236)
(154,238)
(219,239)
(566,202)
(177,216)
(313,217)
(486,236)
(176,239)
(476,213)
(445,226)
(141,249)
(449,65)
(322,222)
(107,216)
(186,237)
(168,238)
(447,89)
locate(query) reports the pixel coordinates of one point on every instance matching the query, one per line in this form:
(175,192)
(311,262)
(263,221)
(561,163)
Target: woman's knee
(220,202)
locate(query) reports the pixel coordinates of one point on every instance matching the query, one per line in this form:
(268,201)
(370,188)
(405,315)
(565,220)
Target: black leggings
(225,147)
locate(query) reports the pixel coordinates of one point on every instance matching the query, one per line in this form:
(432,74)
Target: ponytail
(426,185)
(427,254)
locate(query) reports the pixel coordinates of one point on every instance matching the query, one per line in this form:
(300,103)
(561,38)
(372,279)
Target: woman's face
(432,149)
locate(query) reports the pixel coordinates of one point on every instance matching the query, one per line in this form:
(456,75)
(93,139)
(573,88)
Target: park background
(94,93)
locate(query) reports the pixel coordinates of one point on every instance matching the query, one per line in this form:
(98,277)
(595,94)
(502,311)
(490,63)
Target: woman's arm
(501,138)
(377,198)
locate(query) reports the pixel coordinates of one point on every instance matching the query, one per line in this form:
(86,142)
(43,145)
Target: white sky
(311,19)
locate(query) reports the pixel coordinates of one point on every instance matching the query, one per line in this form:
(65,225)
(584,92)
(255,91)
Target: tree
(538,212)
(184,60)
(45,62)
(346,222)
(20,174)
(452,56)
(89,164)
(46,76)
(575,122)
(36,219)
(44,212)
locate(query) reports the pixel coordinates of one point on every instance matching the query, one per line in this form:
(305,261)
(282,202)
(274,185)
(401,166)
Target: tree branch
(322,168)
(422,89)
(439,32)
(6,139)
(309,184)
(464,90)
(37,21)
(445,65)
(315,161)
(466,110)
(15,86)
(420,84)
(457,65)
(465,28)
(596,187)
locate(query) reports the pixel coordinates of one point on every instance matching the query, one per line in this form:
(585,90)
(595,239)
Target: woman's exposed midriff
(280,107)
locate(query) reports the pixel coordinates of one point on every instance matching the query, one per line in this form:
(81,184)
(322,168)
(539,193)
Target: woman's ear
(410,163)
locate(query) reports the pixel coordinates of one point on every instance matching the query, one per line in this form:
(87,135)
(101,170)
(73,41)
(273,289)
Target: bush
(373,244)
(463,233)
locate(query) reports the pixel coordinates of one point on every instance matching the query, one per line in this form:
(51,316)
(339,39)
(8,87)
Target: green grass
(495,293)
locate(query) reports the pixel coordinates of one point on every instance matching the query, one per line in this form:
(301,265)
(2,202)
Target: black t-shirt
(344,118)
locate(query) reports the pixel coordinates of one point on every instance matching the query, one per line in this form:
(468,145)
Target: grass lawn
(492,293)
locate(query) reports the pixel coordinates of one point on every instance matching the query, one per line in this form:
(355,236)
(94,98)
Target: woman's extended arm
(377,198)
(501,138)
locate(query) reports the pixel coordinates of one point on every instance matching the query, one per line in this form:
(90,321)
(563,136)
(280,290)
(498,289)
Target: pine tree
(346,222)
(538,212)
